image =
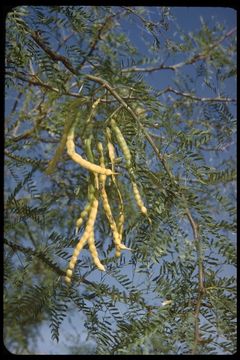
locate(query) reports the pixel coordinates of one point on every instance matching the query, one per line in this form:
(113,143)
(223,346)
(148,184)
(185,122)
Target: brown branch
(32,80)
(201,56)
(195,98)
(53,55)
(36,81)
(197,336)
(150,69)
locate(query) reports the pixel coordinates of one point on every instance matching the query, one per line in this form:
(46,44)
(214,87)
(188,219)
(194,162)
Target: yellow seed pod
(122,142)
(127,156)
(111,154)
(83,215)
(118,253)
(69,273)
(120,225)
(67,279)
(75,254)
(138,198)
(87,207)
(83,240)
(78,159)
(71,265)
(111,150)
(93,251)
(107,208)
(74,259)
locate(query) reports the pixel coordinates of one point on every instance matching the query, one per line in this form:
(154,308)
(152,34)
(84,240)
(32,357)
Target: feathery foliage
(174,292)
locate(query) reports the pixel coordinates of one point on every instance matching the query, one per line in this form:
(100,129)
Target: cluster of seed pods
(127,155)
(100,173)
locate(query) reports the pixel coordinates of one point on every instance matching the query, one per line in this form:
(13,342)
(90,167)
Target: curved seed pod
(78,159)
(111,150)
(87,207)
(138,198)
(90,157)
(88,149)
(67,126)
(93,251)
(122,142)
(91,192)
(83,215)
(83,240)
(127,156)
(112,157)
(107,208)
(120,224)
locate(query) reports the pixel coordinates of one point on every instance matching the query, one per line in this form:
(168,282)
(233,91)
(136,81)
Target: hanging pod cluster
(97,190)
(127,155)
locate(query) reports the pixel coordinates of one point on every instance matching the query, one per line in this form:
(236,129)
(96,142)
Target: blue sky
(188,18)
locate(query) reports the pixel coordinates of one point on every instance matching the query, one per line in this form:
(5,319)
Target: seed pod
(120,223)
(111,150)
(91,192)
(67,279)
(111,154)
(138,198)
(83,240)
(127,156)
(82,216)
(87,207)
(93,251)
(107,208)
(78,159)
(122,142)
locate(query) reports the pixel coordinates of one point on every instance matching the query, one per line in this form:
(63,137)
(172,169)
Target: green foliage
(150,300)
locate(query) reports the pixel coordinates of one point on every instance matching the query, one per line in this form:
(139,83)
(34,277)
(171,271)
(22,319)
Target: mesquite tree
(119,180)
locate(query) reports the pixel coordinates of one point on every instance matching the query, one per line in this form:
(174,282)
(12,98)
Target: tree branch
(201,56)
(36,81)
(53,55)
(195,98)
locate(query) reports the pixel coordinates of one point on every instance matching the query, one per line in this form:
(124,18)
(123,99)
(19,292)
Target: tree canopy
(84,86)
